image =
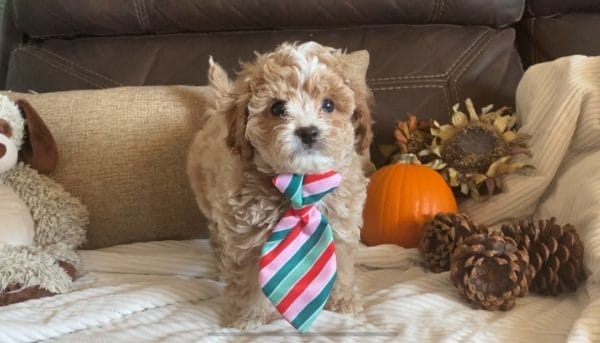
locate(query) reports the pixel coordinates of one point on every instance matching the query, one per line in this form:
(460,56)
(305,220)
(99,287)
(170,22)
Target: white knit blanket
(167,291)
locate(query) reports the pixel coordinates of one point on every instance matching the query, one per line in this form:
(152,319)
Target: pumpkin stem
(406,159)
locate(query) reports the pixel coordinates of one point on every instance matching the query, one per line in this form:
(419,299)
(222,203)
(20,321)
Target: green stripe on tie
(294,190)
(279,235)
(269,245)
(314,198)
(305,318)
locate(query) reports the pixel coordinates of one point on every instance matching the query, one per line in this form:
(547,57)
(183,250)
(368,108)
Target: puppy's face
(300,109)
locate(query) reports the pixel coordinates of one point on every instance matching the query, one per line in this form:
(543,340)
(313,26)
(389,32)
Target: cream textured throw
(559,105)
(168,291)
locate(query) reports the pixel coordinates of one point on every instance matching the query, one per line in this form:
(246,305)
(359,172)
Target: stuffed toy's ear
(39,149)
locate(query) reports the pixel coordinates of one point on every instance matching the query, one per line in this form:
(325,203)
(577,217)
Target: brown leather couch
(555,28)
(426,55)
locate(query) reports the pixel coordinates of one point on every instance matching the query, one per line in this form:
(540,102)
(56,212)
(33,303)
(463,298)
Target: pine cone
(555,252)
(442,235)
(523,233)
(490,271)
(557,256)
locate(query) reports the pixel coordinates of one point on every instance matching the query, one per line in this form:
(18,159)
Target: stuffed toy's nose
(8,153)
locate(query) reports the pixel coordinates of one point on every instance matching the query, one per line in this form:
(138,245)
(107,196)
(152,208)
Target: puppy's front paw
(350,303)
(249,320)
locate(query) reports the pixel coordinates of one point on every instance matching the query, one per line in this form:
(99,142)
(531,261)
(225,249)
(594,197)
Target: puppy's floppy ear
(237,119)
(354,66)
(232,101)
(217,78)
(39,149)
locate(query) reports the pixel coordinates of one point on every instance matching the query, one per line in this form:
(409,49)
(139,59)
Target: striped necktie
(297,264)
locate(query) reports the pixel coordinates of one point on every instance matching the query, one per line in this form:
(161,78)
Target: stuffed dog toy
(41,224)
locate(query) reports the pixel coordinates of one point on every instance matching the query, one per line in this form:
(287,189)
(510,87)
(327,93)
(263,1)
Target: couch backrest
(423,69)
(67,18)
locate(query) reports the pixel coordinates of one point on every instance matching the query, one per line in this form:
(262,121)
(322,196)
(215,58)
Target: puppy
(303,108)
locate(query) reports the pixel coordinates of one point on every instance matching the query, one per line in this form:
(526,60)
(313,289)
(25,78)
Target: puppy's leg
(344,296)
(217,247)
(247,306)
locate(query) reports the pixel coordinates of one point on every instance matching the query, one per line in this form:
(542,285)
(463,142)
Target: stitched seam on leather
(14,18)
(144,12)
(442,8)
(60,67)
(56,64)
(433,10)
(446,73)
(533,47)
(73,64)
(416,87)
(461,73)
(137,14)
(436,17)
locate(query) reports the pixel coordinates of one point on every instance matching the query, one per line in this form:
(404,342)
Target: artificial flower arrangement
(474,152)
(469,157)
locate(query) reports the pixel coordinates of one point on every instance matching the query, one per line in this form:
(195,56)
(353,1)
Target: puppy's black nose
(308,134)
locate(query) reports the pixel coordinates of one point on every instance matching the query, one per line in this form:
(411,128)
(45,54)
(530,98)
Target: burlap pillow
(123,153)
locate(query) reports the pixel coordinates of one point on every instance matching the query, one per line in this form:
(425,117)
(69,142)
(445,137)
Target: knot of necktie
(303,190)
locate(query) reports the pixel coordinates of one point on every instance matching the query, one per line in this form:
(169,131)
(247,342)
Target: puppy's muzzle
(308,135)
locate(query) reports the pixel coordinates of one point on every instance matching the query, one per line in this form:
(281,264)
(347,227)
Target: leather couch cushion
(43,19)
(552,7)
(123,152)
(422,69)
(544,39)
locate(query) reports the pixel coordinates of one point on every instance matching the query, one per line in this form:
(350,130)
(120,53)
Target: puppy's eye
(328,106)
(278,108)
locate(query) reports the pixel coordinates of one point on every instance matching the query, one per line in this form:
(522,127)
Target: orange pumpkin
(401,198)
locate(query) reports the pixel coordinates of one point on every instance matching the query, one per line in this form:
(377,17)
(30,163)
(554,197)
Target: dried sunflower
(474,152)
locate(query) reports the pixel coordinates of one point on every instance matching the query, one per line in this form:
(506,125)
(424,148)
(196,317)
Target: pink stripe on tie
(321,185)
(286,222)
(310,293)
(270,269)
(283,181)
